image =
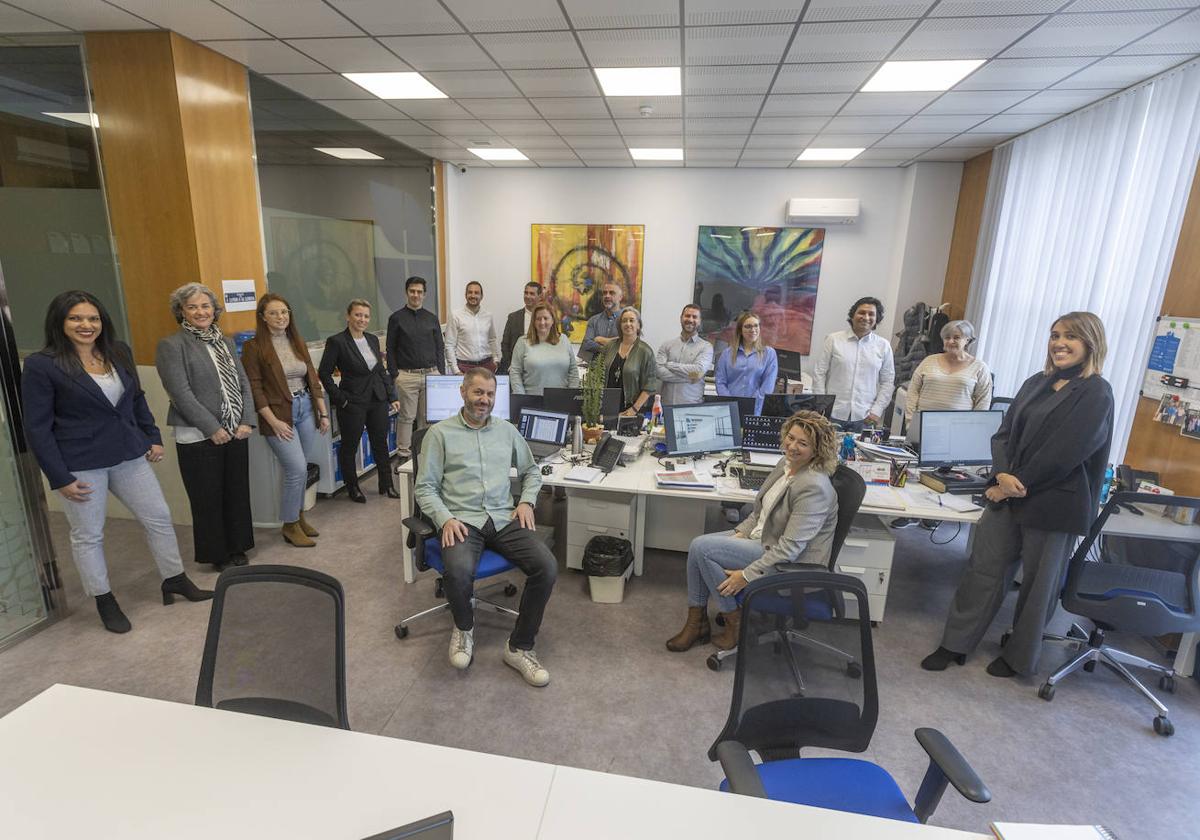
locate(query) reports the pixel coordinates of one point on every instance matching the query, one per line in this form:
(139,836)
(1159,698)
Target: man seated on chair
(463,487)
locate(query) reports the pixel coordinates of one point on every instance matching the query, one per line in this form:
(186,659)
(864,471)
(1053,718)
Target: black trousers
(519,546)
(217,480)
(351,420)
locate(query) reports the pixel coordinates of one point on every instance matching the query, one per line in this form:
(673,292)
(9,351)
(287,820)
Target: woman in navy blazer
(89,427)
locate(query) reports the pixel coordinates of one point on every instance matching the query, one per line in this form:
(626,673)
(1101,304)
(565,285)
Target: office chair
(850,489)
(1002,403)
(838,711)
(424,540)
(276,646)
(1145,585)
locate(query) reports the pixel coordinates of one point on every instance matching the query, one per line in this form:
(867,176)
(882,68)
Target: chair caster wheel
(401,631)
(510,589)
(1089,666)
(1004,639)
(1167,683)
(1163,726)
(713,663)
(1046,692)
(439,589)
(853,670)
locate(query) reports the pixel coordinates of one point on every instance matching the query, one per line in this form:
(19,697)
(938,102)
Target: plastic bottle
(847,452)
(656,411)
(1106,488)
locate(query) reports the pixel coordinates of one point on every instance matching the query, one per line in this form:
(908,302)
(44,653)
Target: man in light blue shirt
(603,327)
(683,361)
(463,487)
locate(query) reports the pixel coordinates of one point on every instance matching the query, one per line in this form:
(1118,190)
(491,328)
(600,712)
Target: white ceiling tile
(819,10)
(753,163)
(520,127)
(792,144)
(859,163)
(508,16)
(556,82)
(583,128)
(1121,71)
(13,21)
(783,156)
(631,47)
(942,153)
(654,141)
(718,142)
(629,107)
(322,86)
(957,38)
(1010,123)
(499,108)
(379,17)
(853,41)
(803,104)
(1127,5)
(889,154)
(361,109)
(608,162)
(514,164)
(199,20)
(850,125)
(82,15)
(440,52)
(540,142)
(736,44)
(472,83)
(1180,36)
(723,106)
(653,127)
(598,141)
(719,125)
(789,125)
(727,81)
(1021,73)
(981,140)
(1090,34)
(659,164)
(550,154)
(351,55)
(457,127)
(967,8)
(949,122)
(722,12)
(711,157)
(398,127)
(905,141)
(1058,101)
(266,56)
(975,102)
(620,14)
(823,78)
(293,18)
(887,103)
(844,141)
(444,109)
(567,107)
(527,50)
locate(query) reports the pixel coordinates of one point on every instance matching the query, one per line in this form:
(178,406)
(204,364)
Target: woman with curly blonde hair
(793,521)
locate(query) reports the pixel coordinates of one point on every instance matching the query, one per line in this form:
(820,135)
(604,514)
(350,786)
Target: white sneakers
(462,648)
(526,664)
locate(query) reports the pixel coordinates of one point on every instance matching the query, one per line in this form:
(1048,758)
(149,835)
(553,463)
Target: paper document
(1035,831)
(582,473)
(883,497)
(690,479)
(920,496)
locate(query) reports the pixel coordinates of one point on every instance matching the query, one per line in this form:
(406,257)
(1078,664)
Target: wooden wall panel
(967,218)
(439,216)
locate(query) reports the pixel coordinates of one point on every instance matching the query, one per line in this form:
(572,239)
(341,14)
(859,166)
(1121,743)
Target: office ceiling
(762,79)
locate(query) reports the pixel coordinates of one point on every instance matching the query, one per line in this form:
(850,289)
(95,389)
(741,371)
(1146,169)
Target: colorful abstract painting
(572,262)
(772,271)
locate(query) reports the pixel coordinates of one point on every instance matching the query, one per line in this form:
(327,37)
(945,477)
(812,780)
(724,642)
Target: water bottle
(656,411)
(847,453)
(1106,488)
(577,436)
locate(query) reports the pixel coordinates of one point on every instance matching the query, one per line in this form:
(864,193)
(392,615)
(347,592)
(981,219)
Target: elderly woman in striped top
(950,381)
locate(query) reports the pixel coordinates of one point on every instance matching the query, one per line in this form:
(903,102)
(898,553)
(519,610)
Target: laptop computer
(545,431)
(760,440)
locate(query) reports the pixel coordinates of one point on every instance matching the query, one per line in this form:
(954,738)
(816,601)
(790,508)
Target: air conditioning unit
(818,212)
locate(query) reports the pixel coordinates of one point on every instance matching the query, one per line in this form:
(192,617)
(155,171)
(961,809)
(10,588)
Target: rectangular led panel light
(639,81)
(82,119)
(349,153)
(919,75)
(396,85)
(498,154)
(656,154)
(829,154)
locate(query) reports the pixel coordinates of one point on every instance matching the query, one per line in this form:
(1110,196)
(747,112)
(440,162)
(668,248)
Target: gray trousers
(1001,545)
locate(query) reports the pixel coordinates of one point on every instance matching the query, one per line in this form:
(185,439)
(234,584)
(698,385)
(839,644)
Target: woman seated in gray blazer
(794,517)
(212,413)
(543,357)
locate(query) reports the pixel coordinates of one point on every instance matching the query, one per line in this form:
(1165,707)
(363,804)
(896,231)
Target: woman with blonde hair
(1048,461)
(749,369)
(542,358)
(795,513)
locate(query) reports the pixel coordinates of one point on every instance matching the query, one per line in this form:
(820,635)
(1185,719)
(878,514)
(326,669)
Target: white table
(84,763)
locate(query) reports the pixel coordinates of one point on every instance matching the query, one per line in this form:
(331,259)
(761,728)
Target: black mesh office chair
(1145,583)
(838,710)
(1001,403)
(276,646)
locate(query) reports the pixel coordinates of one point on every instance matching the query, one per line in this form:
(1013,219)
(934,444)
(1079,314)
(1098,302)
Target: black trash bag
(607,556)
(313,475)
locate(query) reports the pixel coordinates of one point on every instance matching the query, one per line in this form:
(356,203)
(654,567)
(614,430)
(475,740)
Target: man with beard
(683,361)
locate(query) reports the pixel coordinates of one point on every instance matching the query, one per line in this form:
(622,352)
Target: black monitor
(444,399)
(540,426)
(570,401)
(957,438)
(518,401)
(762,433)
(785,405)
(789,363)
(707,427)
(746,405)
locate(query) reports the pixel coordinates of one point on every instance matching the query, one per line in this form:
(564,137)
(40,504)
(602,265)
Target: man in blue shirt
(463,487)
(602,327)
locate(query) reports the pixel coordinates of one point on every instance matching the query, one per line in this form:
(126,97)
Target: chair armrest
(946,764)
(418,526)
(740,770)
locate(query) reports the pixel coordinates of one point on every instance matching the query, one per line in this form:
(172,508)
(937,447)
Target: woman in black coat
(362,397)
(1048,462)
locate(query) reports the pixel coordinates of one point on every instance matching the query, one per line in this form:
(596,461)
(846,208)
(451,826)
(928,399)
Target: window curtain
(1084,214)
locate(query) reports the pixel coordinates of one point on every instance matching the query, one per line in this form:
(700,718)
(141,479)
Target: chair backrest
(276,645)
(850,489)
(1148,580)
(1001,402)
(839,706)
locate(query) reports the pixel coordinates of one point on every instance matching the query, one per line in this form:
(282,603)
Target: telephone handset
(607,452)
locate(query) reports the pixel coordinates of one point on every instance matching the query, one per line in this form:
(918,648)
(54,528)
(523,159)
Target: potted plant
(593,393)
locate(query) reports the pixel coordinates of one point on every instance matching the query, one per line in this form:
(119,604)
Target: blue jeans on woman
(294,456)
(708,558)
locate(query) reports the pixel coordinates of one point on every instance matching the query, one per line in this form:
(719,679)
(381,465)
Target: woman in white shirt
(950,381)
(542,357)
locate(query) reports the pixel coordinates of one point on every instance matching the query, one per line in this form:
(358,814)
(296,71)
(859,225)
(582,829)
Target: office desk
(84,763)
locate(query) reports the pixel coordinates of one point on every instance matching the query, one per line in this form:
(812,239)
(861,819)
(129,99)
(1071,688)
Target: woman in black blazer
(362,397)
(89,427)
(1048,464)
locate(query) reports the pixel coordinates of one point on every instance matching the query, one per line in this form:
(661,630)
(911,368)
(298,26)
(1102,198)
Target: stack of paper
(583,473)
(883,497)
(688,479)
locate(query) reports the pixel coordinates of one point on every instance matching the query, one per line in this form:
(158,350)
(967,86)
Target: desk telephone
(607,453)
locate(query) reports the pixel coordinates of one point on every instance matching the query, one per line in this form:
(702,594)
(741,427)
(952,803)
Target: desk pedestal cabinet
(592,513)
(867,555)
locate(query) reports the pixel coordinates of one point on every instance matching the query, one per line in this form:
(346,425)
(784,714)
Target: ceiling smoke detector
(646,110)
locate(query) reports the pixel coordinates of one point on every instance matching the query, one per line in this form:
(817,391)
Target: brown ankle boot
(309,530)
(292,533)
(727,638)
(695,629)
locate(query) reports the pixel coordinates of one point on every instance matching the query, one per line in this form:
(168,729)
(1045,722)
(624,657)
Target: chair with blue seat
(837,710)
(424,540)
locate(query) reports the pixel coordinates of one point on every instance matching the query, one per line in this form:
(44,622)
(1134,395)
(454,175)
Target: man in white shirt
(683,361)
(517,324)
(471,339)
(856,365)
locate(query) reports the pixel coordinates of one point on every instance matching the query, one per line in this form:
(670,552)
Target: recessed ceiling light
(82,119)
(639,81)
(829,154)
(396,85)
(349,153)
(657,154)
(498,154)
(919,75)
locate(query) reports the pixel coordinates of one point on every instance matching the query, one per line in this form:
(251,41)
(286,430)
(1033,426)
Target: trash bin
(310,486)
(608,563)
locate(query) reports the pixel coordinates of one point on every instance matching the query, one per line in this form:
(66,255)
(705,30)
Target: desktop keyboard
(751,480)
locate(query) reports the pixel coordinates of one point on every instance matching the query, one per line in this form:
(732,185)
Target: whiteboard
(1175,352)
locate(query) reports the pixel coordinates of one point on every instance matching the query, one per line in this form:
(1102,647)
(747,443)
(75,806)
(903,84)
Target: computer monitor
(708,427)
(570,401)
(761,433)
(518,401)
(746,405)
(789,363)
(957,438)
(785,405)
(444,399)
(539,426)
(438,827)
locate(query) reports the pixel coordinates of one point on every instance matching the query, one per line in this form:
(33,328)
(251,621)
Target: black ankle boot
(110,613)
(940,658)
(999,668)
(180,584)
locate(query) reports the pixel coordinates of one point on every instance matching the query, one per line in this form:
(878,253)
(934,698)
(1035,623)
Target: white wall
(897,251)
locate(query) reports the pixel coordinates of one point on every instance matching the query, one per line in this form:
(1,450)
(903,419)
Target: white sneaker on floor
(527,665)
(462,648)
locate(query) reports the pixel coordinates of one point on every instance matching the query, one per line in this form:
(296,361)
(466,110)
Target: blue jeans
(294,455)
(708,558)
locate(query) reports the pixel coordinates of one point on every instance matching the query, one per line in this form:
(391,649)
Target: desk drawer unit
(591,514)
(867,555)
